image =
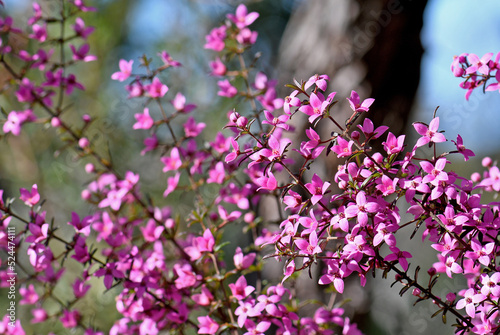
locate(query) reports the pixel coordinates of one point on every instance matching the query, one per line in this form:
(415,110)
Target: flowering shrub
(169,267)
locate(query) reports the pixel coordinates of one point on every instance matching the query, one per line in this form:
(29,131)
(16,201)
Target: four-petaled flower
(400,256)
(471,298)
(429,133)
(356,104)
(242,18)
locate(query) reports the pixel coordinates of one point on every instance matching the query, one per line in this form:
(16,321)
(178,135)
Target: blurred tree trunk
(370,46)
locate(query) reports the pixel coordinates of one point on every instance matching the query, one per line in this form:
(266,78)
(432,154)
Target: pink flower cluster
(477,72)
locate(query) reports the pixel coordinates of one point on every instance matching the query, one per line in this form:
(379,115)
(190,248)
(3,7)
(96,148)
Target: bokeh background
(372,46)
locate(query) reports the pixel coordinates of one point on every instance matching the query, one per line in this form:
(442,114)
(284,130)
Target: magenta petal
(420,128)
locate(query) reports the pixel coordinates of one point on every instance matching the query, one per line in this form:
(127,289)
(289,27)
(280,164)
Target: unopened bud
(475,177)
(86,118)
(242,122)
(234,117)
(89,168)
(55,122)
(487,162)
(431,271)
(416,292)
(86,195)
(83,142)
(451,297)
(355,135)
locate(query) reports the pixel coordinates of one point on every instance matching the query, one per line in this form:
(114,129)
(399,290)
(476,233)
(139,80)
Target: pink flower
(156,89)
(240,290)
(228,217)
(317,188)
(81,53)
(316,107)
(387,185)
(207,325)
(490,285)
(168,60)
(451,266)
(320,81)
(39,315)
(343,148)
(39,233)
(242,18)
(246,36)
(144,121)
(179,104)
(30,198)
(429,133)
(39,32)
(125,70)
(80,288)
(204,298)
(218,68)
(113,199)
(148,327)
(193,129)
(15,120)
(335,275)
(110,272)
(226,89)
(361,208)
(368,129)
(80,28)
(150,144)
(241,261)
(262,82)
(172,183)
(276,148)
(173,162)
(29,295)
(200,245)
(217,174)
(471,298)
(462,149)
(233,154)
(435,174)
(258,329)
(70,318)
(311,247)
(267,182)
(356,106)
(394,145)
(400,256)
(479,65)
(291,100)
(215,40)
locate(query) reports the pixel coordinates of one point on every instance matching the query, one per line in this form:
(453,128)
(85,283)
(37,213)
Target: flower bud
(487,162)
(83,142)
(233,117)
(249,217)
(86,118)
(475,177)
(89,168)
(451,297)
(431,271)
(55,122)
(355,135)
(416,292)
(86,195)
(242,122)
